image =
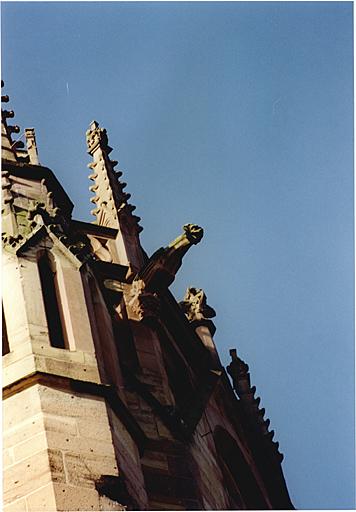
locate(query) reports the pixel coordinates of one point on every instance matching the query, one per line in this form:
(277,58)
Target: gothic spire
(112,208)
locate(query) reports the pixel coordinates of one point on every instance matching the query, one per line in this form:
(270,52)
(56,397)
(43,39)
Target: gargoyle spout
(160,270)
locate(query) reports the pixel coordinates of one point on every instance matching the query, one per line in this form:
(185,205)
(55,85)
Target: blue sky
(237,116)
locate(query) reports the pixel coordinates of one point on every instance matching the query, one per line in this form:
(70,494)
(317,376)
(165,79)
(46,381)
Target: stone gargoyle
(161,268)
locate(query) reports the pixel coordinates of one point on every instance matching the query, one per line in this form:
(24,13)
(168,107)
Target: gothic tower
(114,394)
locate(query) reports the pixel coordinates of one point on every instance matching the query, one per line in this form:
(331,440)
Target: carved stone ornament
(96,136)
(195,306)
(160,270)
(141,305)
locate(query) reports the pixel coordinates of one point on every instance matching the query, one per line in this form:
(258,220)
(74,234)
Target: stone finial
(97,137)
(160,270)
(31,145)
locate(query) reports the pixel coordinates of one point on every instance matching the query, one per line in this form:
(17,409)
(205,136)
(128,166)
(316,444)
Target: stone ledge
(46,359)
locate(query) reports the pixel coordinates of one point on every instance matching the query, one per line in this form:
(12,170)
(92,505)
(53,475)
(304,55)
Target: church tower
(114,394)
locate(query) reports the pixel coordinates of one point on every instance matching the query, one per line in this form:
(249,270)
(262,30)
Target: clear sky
(236,116)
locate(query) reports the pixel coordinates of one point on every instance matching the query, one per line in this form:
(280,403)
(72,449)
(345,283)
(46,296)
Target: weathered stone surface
(70,498)
(94,428)
(54,401)
(31,446)
(16,506)
(73,370)
(26,476)
(19,369)
(7,458)
(20,408)
(78,444)
(57,423)
(23,431)
(42,500)
(107,504)
(84,470)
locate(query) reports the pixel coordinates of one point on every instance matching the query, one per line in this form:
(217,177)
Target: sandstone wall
(57,446)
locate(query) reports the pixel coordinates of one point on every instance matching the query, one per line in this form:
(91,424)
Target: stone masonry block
(16,506)
(18,370)
(42,500)
(44,349)
(65,403)
(56,465)
(34,444)
(69,369)
(78,444)
(21,351)
(85,470)
(23,431)
(124,438)
(90,358)
(7,458)
(70,498)
(28,475)
(21,407)
(94,428)
(56,423)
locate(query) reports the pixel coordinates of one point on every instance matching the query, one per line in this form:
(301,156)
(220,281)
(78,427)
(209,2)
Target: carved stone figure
(161,268)
(195,306)
(141,305)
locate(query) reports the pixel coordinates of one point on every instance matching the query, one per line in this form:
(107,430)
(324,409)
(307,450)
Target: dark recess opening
(49,293)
